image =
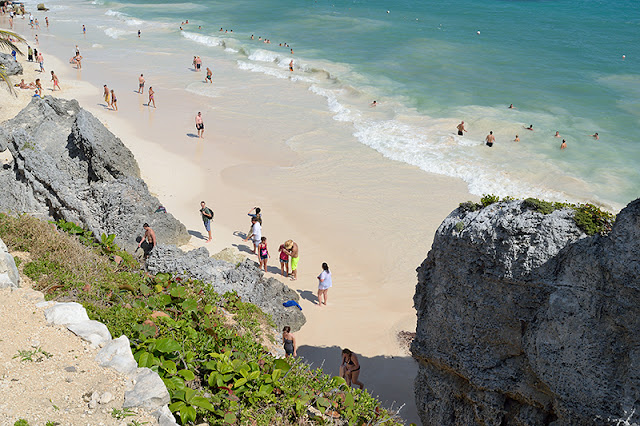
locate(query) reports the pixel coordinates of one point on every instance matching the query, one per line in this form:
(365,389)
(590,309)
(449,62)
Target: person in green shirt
(207,217)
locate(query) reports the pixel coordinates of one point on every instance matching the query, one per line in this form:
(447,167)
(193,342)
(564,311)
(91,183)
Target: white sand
(371,219)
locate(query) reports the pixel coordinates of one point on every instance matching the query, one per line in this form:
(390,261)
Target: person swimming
(530,127)
(595,135)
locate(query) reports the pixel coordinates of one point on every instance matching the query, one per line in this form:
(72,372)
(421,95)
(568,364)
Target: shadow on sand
(309,295)
(197,234)
(388,378)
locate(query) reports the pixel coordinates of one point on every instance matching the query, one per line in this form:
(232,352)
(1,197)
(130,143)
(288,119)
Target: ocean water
(429,64)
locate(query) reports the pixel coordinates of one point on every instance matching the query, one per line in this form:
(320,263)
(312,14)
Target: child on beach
(284,260)
(263,252)
(56,83)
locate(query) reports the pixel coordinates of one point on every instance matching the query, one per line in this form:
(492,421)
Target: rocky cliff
(525,320)
(67,165)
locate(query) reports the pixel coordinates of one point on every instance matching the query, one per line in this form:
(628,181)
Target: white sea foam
(202,39)
(230,50)
(97,46)
(116,33)
(132,22)
(274,72)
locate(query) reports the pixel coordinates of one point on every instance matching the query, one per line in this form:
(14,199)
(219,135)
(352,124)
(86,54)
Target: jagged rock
(525,320)
(230,254)
(9,276)
(148,392)
(117,354)
(165,416)
(92,331)
(41,6)
(67,165)
(11,66)
(66,313)
(245,279)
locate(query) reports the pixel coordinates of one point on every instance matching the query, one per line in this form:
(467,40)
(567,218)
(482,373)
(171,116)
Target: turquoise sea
(429,64)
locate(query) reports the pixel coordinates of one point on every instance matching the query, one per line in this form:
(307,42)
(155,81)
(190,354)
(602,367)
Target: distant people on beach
(38,92)
(200,125)
(530,127)
(263,254)
(294,254)
(198,63)
(152,98)
(255,234)
(291,65)
(139,33)
(461,128)
(114,101)
(512,107)
(46,20)
(106,95)
(141,84)
(56,82)
(350,368)
(29,54)
(324,283)
(595,135)
(207,217)
(564,144)
(84,29)
(289,342)
(284,260)
(78,60)
(557,135)
(490,139)
(257,213)
(148,242)
(41,61)
(209,75)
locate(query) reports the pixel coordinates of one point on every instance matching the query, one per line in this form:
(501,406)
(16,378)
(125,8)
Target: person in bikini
(350,368)
(284,260)
(151,98)
(209,75)
(263,253)
(114,101)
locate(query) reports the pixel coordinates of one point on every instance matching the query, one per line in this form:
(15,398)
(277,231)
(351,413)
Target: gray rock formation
(66,313)
(67,165)
(92,331)
(524,320)
(9,276)
(117,354)
(148,392)
(11,66)
(244,278)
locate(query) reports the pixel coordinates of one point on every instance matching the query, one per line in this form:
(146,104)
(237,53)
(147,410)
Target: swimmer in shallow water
(564,144)
(373,104)
(530,127)
(517,139)
(595,135)
(512,107)
(557,135)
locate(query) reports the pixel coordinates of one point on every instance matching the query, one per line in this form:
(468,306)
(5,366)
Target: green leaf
(187,375)
(276,374)
(230,418)
(145,290)
(145,359)
(202,402)
(169,366)
(189,394)
(167,345)
(254,375)
(240,382)
(187,414)
(175,383)
(281,364)
(179,292)
(348,400)
(190,305)
(179,394)
(336,382)
(160,300)
(208,309)
(267,389)
(176,406)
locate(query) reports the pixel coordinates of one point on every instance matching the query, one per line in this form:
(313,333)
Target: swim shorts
(294,263)
(489,144)
(459,132)
(207,225)
(198,66)
(141,85)
(283,261)
(200,126)
(208,77)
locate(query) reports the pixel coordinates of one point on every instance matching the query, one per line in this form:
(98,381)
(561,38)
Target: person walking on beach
(56,83)
(141,84)
(200,125)
(563,145)
(263,253)
(106,95)
(461,128)
(198,63)
(46,19)
(78,61)
(41,61)
(324,283)
(148,242)
(289,341)
(284,260)
(207,217)
(294,255)
(350,368)
(209,75)
(255,234)
(151,97)
(84,30)
(114,101)
(490,139)
(29,54)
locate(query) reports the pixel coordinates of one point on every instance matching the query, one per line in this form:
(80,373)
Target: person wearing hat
(293,252)
(255,233)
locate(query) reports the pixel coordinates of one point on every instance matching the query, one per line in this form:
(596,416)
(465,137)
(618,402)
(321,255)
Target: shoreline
(372,232)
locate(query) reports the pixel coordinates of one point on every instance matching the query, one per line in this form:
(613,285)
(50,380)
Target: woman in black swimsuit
(350,368)
(289,340)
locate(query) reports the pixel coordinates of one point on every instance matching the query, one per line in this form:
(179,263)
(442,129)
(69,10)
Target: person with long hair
(324,282)
(350,368)
(289,341)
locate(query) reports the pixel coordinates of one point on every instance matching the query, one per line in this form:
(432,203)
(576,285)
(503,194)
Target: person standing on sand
(289,341)
(263,253)
(324,283)
(29,54)
(563,145)
(78,61)
(41,61)
(200,125)
(46,19)
(114,101)
(151,97)
(257,214)
(84,30)
(198,63)
(284,260)
(106,95)
(141,84)
(350,368)
(255,234)
(56,83)
(209,75)
(294,254)
(207,217)
(461,128)
(490,139)
(148,242)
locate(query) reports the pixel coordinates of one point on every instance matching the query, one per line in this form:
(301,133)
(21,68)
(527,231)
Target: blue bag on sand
(289,303)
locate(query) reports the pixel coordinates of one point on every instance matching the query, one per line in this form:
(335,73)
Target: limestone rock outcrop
(244,278)
(11,66)
(525,320)
(67,165)
(9,276)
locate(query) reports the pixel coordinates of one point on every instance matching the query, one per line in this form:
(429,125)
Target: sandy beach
(371,219)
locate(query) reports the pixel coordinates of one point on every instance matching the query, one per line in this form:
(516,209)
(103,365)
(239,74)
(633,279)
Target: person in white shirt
(255,234)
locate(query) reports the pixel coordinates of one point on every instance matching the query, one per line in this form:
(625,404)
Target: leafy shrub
(459,226)
(539,206)
(488,199)
(470,206)
(592,219)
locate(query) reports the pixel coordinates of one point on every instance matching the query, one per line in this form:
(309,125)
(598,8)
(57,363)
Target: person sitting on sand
(324,283)
(595,135)
(284,260)
(289,341)
(530,127)
(350,368)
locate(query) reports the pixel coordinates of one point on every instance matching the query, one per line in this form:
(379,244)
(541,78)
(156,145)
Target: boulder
(525,320)
(67,165)
(41,6)
(117,354)
(92,331)
(149,391)
(11,66)
(165,416)
(245,279)
(9,276)
(66,313)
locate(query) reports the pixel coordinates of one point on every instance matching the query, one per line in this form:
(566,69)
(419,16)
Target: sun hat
(288,244)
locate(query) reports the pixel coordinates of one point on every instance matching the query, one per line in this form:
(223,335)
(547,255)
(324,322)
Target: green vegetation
(51,423)
(122,414)
(32,355)
(589,218)
(21,422)
(208,348)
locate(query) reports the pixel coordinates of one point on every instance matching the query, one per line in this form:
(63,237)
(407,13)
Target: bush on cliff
(208,348)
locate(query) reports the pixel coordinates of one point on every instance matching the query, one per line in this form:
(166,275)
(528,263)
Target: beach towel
(290,303)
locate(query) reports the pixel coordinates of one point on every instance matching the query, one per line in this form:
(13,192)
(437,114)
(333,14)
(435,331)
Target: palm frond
(6,79)
(6,43)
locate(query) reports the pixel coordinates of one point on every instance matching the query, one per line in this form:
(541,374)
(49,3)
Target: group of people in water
(490,138)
